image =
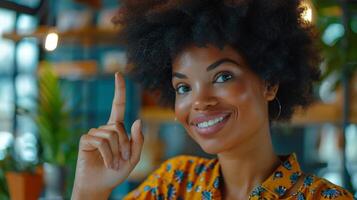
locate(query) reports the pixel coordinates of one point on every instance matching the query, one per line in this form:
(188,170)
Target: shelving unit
(320,113)
(84,36)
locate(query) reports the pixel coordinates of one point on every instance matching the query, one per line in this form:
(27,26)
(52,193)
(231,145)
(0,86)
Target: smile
(210,122)
(209,127)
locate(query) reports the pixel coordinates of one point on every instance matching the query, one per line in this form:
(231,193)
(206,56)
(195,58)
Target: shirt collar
(279,182)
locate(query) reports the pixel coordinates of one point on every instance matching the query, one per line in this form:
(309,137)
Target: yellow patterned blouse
(188,177)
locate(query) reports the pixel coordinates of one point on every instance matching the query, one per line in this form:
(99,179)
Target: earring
(279,105)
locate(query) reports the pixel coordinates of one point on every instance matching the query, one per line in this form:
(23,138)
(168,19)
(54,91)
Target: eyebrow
(209,68)
(219,62)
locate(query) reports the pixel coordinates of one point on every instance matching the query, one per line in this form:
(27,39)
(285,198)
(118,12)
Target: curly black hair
(275,41)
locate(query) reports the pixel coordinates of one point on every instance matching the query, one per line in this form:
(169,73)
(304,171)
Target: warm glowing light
(307,14)
(51,41)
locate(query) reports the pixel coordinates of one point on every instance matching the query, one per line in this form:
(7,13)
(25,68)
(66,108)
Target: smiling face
(221,103)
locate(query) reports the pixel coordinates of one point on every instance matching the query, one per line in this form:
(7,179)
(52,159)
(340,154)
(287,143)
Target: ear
(270,91)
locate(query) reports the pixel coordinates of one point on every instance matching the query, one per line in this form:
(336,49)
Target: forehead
(204,56)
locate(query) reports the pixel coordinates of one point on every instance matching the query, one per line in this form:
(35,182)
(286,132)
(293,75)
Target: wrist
(79,193)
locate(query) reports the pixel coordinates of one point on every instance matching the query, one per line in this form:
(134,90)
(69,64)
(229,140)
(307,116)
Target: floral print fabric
(189,177)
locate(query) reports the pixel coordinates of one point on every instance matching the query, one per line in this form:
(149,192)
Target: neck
(248,165)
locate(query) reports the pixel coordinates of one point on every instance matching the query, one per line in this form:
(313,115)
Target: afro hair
(277,44)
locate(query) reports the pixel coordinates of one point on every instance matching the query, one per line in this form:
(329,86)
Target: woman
(229,69)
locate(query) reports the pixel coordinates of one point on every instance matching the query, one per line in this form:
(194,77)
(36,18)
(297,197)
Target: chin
(212,148)
(211,151)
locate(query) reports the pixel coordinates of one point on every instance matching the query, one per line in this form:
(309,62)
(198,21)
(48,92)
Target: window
(18,84)
(29,3)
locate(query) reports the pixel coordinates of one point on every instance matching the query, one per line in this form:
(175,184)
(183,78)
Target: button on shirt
(189,177)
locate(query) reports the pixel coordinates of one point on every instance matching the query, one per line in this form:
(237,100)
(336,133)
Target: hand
(106,154)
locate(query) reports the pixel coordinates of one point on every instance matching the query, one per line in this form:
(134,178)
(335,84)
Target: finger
(112,138)
(136,142)
(118,106)
(99,144)
(124,143)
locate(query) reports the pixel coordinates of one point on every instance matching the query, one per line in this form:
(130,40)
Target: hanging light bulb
(308,14)
(51,41)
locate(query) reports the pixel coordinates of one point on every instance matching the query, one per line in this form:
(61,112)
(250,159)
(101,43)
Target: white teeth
(210,122)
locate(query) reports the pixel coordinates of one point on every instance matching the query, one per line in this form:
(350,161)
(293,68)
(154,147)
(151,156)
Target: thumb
(136,141)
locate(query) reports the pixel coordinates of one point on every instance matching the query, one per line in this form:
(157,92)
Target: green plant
(338,39)
(58,136)
(11,163)
(53,119)
(337,23)
(4,193)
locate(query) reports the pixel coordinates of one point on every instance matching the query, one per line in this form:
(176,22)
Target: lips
(205,118)
(209,125)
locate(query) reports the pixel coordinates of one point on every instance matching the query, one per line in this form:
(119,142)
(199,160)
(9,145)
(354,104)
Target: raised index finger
(118,106)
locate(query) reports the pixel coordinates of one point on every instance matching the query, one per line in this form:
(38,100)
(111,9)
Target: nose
(204,100)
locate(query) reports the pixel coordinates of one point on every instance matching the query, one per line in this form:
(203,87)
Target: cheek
(182,110)
(245,99)
(234,93)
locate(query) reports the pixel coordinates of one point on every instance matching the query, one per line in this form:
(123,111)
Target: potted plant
(57,138)
(24,180)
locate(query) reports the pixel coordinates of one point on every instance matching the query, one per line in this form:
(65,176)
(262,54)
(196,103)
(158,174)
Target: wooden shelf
(85,36)
(81,70)
(157,114)
(329,113)
(316,114)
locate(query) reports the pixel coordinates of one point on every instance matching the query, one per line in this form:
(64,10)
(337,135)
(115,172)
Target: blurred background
(57,64)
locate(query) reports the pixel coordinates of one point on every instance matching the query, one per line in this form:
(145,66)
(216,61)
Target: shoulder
(320,188)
